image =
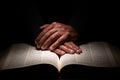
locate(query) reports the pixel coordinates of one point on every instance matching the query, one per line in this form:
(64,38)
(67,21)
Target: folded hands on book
(58,38)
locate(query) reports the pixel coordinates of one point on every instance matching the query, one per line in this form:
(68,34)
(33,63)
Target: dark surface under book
(46,71)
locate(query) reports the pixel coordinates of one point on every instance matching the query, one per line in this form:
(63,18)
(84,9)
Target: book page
(116,51)
(96,54)
(22,55)
(3,56)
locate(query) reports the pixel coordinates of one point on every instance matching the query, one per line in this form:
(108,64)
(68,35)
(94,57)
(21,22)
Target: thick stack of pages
(98,59)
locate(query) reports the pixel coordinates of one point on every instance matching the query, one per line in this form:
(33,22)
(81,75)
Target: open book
(94,54)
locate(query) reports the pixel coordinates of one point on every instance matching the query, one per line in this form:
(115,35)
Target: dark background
(102,25)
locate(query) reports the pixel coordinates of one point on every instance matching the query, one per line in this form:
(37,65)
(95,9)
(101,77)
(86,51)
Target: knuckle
(43,32)
(65,43)
(61,46)
(47,34)
(67,33)
(57,33)
(52,37)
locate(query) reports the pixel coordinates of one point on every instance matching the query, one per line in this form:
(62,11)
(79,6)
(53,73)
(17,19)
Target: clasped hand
(58,38)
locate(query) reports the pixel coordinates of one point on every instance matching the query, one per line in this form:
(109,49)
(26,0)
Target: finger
(37,46)
(50,40)
(78,49)
(69,45)
(66,49)
(44,26)
(59,41)
(46,36)
(45,31)
(59,51)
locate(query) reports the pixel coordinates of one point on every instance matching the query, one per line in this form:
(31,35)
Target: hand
(68,47)
(53,35)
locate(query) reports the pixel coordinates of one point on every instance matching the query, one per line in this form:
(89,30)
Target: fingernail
(71,51)
(78,48)
(79,51)
(62,53)
(43,48)
(38,47)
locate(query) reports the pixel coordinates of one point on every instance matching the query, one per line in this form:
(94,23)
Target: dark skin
(58,38)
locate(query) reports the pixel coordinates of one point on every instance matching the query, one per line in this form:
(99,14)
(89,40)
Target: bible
(95,56)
